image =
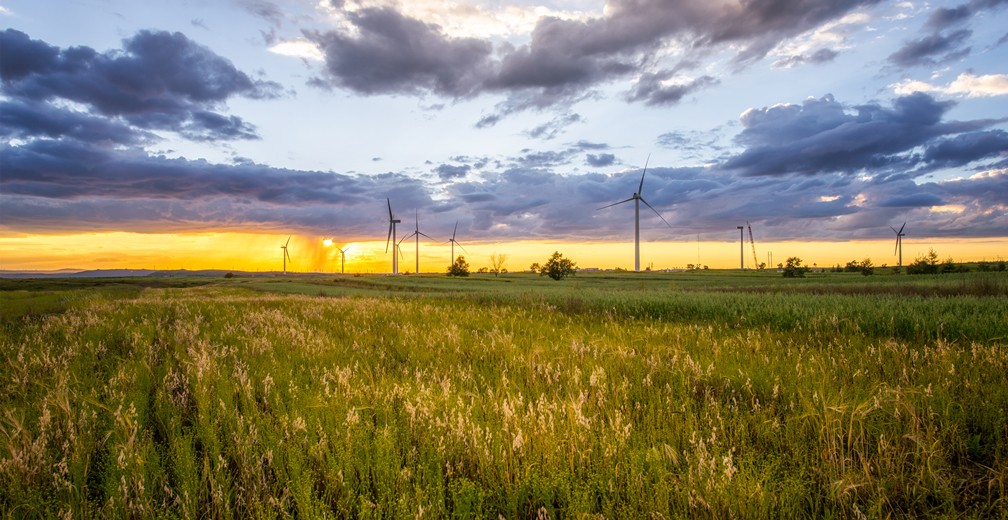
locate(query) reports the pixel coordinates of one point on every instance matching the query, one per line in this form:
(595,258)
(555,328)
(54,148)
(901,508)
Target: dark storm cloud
(393,53)
(916,200)
(937,47)
(264,9)
(27,120)
(384,51)
(966,148)
(653,90)
(944,17)
(818,57)
(821,136)
(554,127)
(600,160)
(932,49)
(159,81)
(448,171)
(50,176)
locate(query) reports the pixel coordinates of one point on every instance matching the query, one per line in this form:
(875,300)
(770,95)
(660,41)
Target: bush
(459,268)
(794,268)
(866,268)
(927,264)
(558,267)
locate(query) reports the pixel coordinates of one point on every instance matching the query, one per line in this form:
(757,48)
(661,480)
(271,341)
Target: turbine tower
(453,242)
(416,233)
(899,242)
(637,198)
(391,237)
(741,247)
(285,255)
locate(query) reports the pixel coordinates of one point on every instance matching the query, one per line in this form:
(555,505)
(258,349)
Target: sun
(327,242)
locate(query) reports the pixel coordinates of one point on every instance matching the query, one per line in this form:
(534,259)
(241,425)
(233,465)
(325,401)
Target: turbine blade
(456,229)
(424,235)
(614,204)
(416,215)
(656,212)
(288,240)
(389,237)
(901,227)
(894,230)
(460,246)
(390,217)
(641,187)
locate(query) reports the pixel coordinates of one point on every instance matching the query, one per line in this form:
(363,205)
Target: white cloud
(299,48)
(966,84)
(466,19)
(979,86)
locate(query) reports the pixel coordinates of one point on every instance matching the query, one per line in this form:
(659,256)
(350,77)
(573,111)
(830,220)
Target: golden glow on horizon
(261,252)
(948,208)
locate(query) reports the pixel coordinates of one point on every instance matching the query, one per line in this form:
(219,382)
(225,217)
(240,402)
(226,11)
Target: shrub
(866,267)
(459,268)
(927,264)
(558,267)
(794,268)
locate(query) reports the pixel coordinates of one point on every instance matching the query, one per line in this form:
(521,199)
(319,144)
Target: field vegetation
(699,394)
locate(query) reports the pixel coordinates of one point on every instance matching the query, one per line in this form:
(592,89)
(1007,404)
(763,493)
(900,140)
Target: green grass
(673,395)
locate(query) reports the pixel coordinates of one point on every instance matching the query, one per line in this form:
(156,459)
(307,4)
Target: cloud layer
(379,50)
(77,126)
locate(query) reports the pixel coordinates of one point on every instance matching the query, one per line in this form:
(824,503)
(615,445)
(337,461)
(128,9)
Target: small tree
(866,267)
(558,267)
(794,268)
(535,268)
(497,263)
(927,264)
(459,268)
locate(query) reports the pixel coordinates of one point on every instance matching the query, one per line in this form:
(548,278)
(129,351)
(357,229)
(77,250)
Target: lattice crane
(753,244)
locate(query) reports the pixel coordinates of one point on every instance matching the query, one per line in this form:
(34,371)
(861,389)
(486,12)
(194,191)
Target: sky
(201,134)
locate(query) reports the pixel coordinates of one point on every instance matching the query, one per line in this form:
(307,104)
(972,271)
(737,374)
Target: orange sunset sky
(261,252)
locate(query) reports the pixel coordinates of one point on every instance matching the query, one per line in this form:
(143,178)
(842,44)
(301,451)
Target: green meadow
(662,395)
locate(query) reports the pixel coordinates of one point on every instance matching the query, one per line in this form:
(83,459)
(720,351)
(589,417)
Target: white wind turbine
(416,233)
(286,255)
(453,242)
(637,198)
(391,237)
(899,242)
(343,259)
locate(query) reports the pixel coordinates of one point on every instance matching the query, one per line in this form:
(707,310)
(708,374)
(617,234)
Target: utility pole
(741,247)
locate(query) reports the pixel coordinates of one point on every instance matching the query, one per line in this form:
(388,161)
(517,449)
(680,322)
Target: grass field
(704,394)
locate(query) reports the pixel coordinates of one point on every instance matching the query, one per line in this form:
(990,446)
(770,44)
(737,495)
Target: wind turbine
(398,246)
(391,237)
(637,198)
(343,259)
(416,233)
(286,255)
(453,242)
(899,242)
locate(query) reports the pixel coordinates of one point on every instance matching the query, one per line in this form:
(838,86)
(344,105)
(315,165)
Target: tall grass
(225,402)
